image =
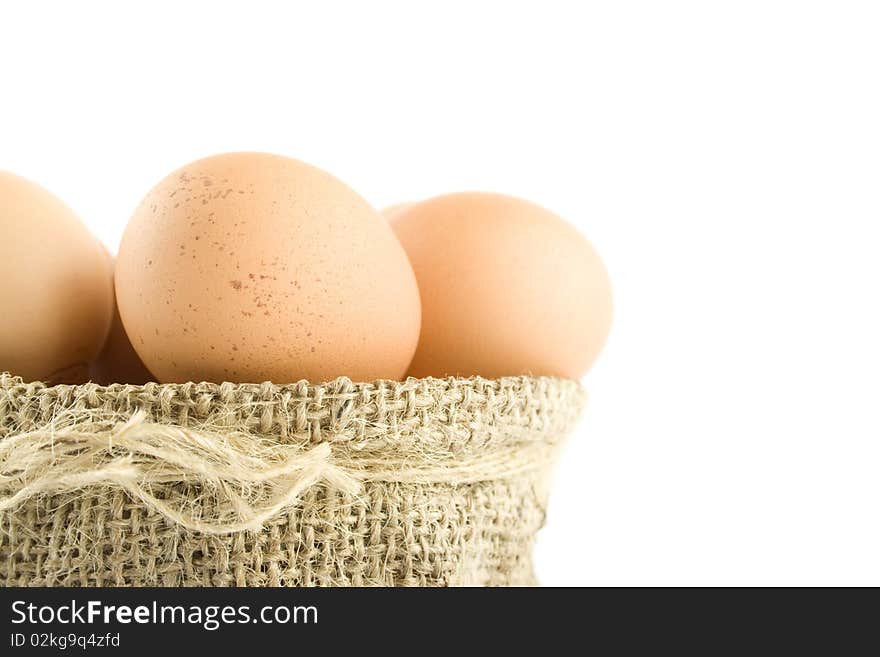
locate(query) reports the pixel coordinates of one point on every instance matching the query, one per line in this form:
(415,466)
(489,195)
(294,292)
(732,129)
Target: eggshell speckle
(255,267)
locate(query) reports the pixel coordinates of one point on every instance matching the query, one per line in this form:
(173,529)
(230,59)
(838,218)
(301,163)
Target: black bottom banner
(393,621)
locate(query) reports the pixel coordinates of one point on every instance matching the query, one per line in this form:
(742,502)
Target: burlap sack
(425,482)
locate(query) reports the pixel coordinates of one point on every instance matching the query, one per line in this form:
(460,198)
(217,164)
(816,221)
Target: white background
(724,157)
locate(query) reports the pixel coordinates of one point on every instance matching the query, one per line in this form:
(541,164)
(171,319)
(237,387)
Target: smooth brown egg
(507,288)
(255,267)
(118,362)
(56,294)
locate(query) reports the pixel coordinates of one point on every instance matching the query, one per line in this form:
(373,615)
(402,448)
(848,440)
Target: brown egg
(56,296)
(118,362)
(255,267)
(507,288)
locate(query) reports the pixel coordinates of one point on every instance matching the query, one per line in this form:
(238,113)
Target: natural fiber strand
(250,480)
(424,482)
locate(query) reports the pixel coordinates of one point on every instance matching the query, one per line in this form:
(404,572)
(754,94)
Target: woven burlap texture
(427,482)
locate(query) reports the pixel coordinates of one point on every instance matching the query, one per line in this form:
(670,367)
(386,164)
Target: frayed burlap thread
(426,482)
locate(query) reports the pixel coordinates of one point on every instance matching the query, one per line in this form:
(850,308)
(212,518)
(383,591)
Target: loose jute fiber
(426,482)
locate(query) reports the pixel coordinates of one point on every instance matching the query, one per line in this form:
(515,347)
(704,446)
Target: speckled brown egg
(507,287)
(55,291)
(255,267)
